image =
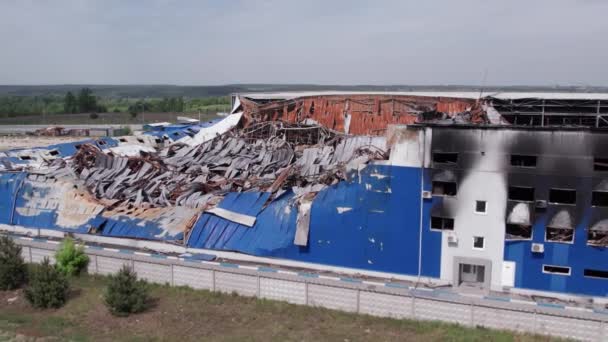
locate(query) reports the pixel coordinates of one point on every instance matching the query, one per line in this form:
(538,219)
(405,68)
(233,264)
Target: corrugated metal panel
(274,229)
(167,223)
(51,204)
(9,184)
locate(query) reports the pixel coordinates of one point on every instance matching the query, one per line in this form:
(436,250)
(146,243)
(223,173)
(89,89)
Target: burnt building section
(362,113)
(541,224)
(553,111)
(465,189)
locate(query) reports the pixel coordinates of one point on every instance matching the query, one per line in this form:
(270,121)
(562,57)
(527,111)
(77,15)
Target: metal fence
(340,295)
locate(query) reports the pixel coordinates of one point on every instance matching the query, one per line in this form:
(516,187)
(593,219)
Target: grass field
(182,314)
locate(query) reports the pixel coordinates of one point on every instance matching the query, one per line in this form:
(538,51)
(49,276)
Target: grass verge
(183,314)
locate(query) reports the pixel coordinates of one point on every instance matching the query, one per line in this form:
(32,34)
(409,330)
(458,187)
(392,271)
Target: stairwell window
(481,207)
(479,242)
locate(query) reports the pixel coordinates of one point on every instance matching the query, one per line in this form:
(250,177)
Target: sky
(381,42)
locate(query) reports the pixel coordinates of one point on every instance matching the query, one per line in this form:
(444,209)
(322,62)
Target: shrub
(12,267)
(48,288)
(71,259)
(125,294)
(93,115)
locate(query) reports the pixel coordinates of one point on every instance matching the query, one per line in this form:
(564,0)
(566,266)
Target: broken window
(600,164)
(480,207)
(25,157)
(53,152)
(521,193)
(598,234)
(101,142)
(521,160)
(518,232)
(442,223)
(158,141)
(478,242)
(444,188)
(140,140)
(599,198)
(122,140)
(595,273)
(77,147)
(556,269)
(445,157)
(562,196)
(555,234)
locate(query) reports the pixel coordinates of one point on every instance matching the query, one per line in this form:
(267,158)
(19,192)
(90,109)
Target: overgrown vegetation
(12,268)
(71,259)
(48,287)
(125,294)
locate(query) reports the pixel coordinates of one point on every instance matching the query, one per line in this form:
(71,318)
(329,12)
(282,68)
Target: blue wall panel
(369,222)
(578,256)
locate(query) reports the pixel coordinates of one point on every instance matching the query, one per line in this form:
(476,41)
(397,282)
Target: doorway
(471,275)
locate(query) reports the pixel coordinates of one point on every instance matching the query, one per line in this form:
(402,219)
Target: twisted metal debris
(269,157)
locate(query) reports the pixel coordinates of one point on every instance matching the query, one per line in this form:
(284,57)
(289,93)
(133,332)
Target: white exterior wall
(485,181)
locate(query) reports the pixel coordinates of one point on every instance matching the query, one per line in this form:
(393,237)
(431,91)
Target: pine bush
(71,259)
(125,294)
(12,267)
(48,287)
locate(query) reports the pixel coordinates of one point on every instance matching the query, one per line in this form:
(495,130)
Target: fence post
(213,280)
(306,292)
(358,300)
(172,279)
(413,305)
(30,249)
(259,291)
(472,308)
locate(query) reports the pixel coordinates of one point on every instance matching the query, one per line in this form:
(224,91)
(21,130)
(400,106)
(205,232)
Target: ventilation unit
(427,194)
(540,204)
(452,238)
(538,248)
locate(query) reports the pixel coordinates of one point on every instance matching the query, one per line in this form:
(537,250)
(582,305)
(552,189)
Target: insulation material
(520,215)
(208,133)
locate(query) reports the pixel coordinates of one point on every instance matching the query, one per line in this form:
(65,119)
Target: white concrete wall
(483,183)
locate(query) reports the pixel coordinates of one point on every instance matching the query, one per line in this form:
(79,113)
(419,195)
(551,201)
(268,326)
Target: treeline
(85,101)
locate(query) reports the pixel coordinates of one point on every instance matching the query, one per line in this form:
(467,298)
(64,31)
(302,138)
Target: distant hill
(156,91)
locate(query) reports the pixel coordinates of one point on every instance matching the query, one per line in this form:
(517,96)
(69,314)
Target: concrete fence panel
(193,277)
(385,305)
(154,273)
(277,289)
(333,297)
(245,285)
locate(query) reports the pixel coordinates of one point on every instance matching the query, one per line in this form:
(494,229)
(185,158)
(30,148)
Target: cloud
(542,42)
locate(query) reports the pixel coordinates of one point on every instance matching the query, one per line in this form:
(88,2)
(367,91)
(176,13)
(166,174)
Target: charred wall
(361,114)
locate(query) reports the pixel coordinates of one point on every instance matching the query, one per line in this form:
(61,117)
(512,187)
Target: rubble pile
(199,176)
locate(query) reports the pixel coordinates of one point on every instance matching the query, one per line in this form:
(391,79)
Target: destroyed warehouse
(506,190)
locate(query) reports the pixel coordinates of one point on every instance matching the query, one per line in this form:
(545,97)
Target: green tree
(48,288)
(12,267)
(125,294)
(70,104)
(87,102)
(71,259)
